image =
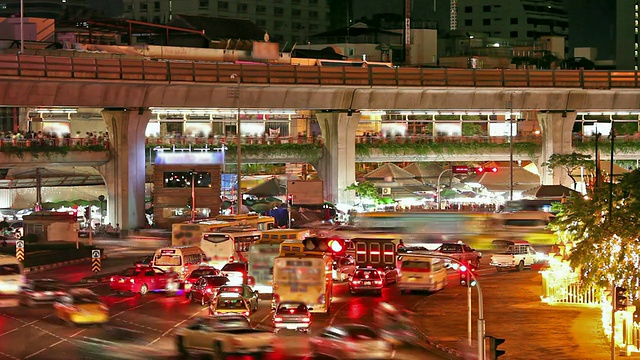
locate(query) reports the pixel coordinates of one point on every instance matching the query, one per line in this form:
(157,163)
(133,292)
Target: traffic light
(290,199)
(189,202)
(621,298)
(326,245)
(494,352)
(481,170)
(466,279)
(87,212)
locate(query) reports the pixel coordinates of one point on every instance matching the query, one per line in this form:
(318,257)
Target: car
(142,279)
(461,252)
(366,280)
(117,343)
(220,338)
(197,274)
(42,291)
(81,306)
(343,268)
(350,342)
(292,315)
(228,304)
(250,296)
(236,272)
(206,288)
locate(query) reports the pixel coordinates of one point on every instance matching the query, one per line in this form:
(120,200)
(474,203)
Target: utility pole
(407,32)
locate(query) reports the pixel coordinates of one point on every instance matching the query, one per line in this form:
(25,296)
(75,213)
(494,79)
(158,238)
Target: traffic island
(45,256)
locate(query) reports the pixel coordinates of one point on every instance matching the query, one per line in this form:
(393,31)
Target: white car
(343,268)
(350,342)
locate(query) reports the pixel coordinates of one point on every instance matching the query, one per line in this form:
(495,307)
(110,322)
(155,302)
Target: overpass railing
(36,66)
(71,143)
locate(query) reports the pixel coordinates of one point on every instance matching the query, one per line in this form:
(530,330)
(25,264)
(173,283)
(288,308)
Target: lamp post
(239,146)
(438,186)
(511,148)
(21,27)
(612,136)
(193,195)
(101,199)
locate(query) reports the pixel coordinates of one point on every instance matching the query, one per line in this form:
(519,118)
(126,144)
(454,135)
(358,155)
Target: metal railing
(34,66)
(77,143)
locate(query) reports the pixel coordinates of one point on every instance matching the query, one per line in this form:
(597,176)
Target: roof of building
(216,28)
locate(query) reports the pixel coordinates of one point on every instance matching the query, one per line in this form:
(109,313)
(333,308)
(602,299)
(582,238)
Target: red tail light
(277,319)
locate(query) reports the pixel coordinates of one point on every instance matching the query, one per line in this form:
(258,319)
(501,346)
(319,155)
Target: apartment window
(261,22)
(313,14)
(531,34)
(313,27)
(3,6)
(156,5)
(468,22)
(468,9)
(144,7)
(351,52)
(514,21)
(204,4)
(278,25)
(297,26)
(486,8)
(223,6)
(513,34)
(486,21)
(296,12)
(278,11)
(156,19)
(129,7)
(242,8)
(261,9)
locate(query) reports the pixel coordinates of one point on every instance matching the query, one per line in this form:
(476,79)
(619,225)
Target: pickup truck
(223,337)
(518,255)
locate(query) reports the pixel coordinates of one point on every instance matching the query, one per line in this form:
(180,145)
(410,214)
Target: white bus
(12,280)
(179,259)
(230,244)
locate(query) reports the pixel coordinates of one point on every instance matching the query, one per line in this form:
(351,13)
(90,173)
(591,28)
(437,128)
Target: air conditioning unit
(386,191)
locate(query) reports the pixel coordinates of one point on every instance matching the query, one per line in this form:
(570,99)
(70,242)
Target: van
(421,273)
(179,259)
(12,280)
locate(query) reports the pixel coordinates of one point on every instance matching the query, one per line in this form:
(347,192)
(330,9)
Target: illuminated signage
(189,158)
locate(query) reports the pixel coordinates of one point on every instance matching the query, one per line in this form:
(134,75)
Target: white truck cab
(517,255)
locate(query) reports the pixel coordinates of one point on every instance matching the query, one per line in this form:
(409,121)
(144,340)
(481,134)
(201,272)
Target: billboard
(190,158)
(306,192)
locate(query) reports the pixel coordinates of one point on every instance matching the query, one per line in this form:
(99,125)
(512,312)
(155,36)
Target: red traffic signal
(290,199)
(327,245)
(337,246)
(480,170)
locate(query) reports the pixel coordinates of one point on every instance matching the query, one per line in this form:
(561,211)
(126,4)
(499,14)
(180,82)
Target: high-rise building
(626,37)
(49,9)
(285,20)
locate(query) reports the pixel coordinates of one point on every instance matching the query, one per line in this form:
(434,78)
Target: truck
(222,337)
(519,254)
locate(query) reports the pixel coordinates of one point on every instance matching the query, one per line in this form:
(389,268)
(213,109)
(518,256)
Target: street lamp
(193,195)
(511,147)
(239,153)
(21,27)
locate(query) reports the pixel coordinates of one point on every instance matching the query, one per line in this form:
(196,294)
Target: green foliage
(624,146)
(435,148)
(36,150)
(605,246)
(471,129)
(569,163)
(365,189)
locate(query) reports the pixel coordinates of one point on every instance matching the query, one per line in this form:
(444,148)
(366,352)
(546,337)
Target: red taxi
(142,279)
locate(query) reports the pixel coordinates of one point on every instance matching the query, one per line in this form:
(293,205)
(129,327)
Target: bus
(530,226)
(302,276)
(191,233)
(179,259)
(229,244)
(263,253)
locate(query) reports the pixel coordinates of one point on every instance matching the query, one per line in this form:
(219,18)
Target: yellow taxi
(226,304)
(81,306)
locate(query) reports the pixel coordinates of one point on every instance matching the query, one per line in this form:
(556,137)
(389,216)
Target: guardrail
(81,143)
(36,66)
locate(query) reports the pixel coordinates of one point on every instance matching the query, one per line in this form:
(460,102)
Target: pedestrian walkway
(513,311)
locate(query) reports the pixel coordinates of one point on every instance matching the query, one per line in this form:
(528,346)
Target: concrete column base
(557,130)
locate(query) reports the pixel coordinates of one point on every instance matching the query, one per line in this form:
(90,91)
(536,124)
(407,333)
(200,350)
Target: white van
(12,280)
(420,273)
(179,259)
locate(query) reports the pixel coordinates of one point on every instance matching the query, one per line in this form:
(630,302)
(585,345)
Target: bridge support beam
(337,166)
(124,175)
(557,130)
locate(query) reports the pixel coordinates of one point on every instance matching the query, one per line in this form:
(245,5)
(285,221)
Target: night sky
(592,24)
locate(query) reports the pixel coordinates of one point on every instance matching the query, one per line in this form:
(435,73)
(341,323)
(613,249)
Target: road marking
(9,332)
(133,308)
(140,326)
(8,356)
(56,344)
(264,318)
(175,326)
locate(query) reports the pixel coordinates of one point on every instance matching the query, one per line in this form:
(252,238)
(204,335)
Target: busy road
(152,319)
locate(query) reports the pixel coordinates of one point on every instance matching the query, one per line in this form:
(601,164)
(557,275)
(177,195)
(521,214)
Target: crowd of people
(30,138)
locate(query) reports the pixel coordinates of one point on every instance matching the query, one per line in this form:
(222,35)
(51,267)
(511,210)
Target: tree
(604,246)
(365,189)
(569,163)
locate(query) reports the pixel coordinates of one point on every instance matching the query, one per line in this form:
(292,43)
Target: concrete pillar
(337,166)
(556,139)
(125,174)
